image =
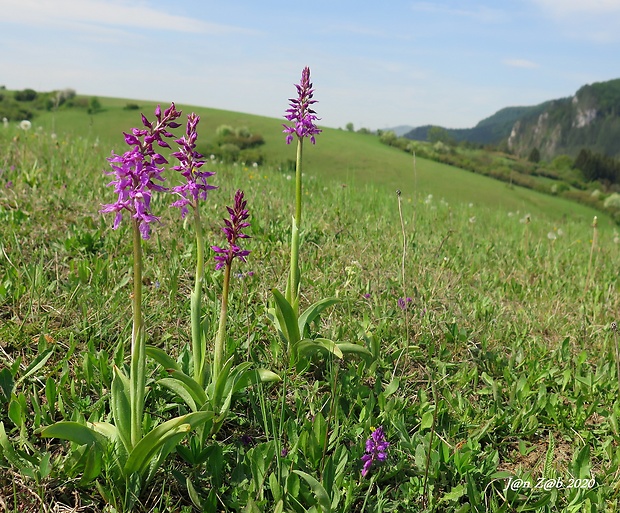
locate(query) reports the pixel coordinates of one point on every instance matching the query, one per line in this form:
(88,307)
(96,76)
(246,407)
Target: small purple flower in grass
(233,226)
(300,111)
(403,302)
(376,450)
(136,171)
(190,162)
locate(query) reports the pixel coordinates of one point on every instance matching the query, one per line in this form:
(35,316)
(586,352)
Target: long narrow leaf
(162,358)
(288,316)
(309,346)
(7,449)
(36,364)
(347,347)
(217,398)
(121,409)
(317,489)
(146,448)
(74,432)
(105,428)
(313,311)
(191,385)
(253,376)
(181,390)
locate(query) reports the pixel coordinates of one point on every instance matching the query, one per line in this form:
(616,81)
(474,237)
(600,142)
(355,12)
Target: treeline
(598,167)
(20,105)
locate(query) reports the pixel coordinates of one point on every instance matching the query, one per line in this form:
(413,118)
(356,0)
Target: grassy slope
(351,158)
(509,326)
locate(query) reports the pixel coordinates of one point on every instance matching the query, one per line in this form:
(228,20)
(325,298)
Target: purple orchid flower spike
(190,162)
(300,111)
(233,226)
(136,171)
(376,450)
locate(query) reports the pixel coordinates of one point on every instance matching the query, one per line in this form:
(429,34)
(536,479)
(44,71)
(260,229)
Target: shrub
(229,152)
(224,131)
(131,106)
(94,105)
(251,155)
(27,95)
(612,201)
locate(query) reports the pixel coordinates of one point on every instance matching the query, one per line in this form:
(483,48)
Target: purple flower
(300,111)
(284,452)
(137,170)
(376,450)
(190,162)
(403,302)
(233,226)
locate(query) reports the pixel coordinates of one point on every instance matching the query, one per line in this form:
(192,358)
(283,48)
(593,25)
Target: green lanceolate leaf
(36,364)
(251,377)
(313,311)
(287,318)
(6,449)
(121,409)
(162,358)
(186,388)
(6,385)
(308,347)
(180,389)
(348,348)
(174,429)
(74,432)
(106,429)
(317,489)
(221,386)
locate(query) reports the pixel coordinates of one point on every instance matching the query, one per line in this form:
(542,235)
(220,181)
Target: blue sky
(375,64)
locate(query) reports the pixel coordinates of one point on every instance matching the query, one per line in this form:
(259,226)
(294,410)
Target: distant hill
(400,130)
(590,119)
(491,130)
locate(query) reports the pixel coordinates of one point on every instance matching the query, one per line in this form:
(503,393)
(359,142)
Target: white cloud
(121,13)
(520,63)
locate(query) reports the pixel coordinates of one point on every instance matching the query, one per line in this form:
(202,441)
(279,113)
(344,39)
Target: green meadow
(352,158)
(477,323)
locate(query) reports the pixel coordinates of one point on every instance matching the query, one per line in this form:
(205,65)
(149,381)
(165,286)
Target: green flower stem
(293,298)
(220,340)
(137,371)
(300,144)
(199,342)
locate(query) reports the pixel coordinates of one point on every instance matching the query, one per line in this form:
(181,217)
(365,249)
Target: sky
(374,64)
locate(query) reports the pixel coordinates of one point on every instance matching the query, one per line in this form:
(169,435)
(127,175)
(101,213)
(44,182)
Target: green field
(482,320)
(354,159)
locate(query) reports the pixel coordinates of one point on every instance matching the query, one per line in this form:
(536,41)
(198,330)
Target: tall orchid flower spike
(233,226)
(303,118)
(193,189)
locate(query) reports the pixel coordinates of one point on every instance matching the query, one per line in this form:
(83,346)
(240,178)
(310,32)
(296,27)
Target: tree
(94,105)
(534,156)
(350,128)
(27,95)
(438,134)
